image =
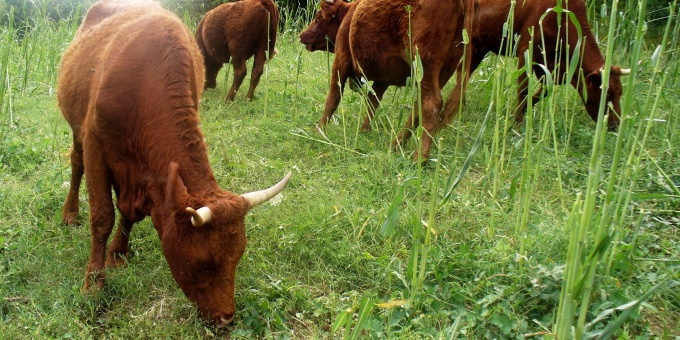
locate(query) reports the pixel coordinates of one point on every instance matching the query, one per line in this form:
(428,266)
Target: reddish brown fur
(104,9)
(369,38)
(238,31)
(488,38)
(129,87)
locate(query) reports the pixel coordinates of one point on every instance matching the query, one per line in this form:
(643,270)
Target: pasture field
(556,227)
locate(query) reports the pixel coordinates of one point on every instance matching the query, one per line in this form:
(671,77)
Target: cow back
(384,36)
(104,9)
(132,84)
(527,16)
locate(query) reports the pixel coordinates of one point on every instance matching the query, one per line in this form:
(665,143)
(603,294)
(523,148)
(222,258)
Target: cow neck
(197,178)
(177,122)
(194,166)
(343,9)
(593,59)
(186,147)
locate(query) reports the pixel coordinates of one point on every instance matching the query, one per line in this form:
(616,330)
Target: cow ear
(594,80)
(175,191)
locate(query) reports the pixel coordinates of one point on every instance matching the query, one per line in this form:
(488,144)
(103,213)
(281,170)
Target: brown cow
(370,39)
(489,38)
(130,87)
(238,30)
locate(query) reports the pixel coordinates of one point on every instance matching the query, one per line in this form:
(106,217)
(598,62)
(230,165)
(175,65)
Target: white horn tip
(287,177)
(625,71)
(259,197)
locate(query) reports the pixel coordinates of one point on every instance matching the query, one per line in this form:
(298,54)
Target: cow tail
(463,68)
(469,23)
(273,23)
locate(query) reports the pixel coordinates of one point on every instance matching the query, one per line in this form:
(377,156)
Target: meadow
(553,228)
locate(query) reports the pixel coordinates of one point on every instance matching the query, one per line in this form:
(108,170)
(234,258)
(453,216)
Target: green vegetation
(554,227)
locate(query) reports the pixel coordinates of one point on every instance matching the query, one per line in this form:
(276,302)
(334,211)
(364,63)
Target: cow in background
(105,8)
(371,39)
(129,87)
(238,31)
(588,80)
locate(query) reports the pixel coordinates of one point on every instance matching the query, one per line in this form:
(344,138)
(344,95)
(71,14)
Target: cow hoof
(94,282)
(116,260)
(424,160)
(70,219)
(396,145)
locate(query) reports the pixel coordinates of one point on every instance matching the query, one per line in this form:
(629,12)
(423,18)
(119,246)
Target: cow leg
(373,102)
(457,96)
(341,71)
(118,249)
(406,133)
(102,217)
(240,72)
(70,212)
(452,105)
(258,69)
(212,68)
(412,122)
(432,105)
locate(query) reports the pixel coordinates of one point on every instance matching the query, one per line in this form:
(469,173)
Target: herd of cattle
(131,81)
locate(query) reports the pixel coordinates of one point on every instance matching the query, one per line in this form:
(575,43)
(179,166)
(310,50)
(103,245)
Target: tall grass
(595,220)
(7,42)
(553,228)
(598,214)
(29,60)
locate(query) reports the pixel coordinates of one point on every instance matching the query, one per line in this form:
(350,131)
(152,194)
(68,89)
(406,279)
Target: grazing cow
(129,87)
(238,30)
(588,80)
(371,39)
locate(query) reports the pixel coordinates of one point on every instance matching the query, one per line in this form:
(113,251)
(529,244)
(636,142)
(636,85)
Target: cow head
(203,239)
(321,32)
(594,93)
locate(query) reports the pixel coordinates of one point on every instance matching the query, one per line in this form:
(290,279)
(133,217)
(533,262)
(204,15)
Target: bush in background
(25,12)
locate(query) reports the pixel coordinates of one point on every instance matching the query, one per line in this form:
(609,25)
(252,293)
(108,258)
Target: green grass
(496,259)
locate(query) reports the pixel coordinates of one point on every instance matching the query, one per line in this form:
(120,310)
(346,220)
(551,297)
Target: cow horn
(200,217)
(625,71)
(330,1)
(259,197)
